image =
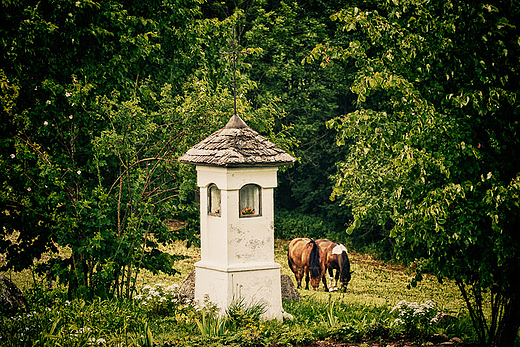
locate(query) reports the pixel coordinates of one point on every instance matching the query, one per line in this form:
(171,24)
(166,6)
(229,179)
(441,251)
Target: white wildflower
(172,288)
(71,116)
(45,123)
(13,156)
(68,94)
(48,102)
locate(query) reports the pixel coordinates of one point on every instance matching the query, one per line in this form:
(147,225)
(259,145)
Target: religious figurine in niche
(214,200)
(250,200)
(247,210)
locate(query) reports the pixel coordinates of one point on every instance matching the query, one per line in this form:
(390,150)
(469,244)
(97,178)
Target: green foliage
(98,102)
(240,314)
(416,319)
(73,323)
(291,224)
(437,109)
(286,31)
(211,325)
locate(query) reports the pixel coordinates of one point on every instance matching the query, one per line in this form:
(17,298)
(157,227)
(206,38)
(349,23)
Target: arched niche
(214,201)
(250,202)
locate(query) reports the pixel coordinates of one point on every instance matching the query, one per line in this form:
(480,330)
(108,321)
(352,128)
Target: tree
(434,149)
(98,102)
(287,31)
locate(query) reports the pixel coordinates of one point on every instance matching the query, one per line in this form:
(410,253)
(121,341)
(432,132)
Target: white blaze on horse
(336,258)
(305,257)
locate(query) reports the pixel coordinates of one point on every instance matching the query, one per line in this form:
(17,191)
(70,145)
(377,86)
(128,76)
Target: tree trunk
(508,328)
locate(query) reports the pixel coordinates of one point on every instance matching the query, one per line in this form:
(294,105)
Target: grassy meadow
(373,283)
(362,314)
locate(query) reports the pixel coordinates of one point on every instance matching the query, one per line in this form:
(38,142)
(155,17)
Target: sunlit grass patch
(376,283)
(190,255)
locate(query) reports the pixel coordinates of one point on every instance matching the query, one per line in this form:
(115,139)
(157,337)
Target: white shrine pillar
(237,174)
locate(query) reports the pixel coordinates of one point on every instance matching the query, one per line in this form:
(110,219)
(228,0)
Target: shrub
(72,323)
(292,224)
(160,300)
(416,319)
(240,314)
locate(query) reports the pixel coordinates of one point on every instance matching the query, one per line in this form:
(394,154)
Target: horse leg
(331,271)
(307,277)
(336,279)
(299,276)
(324,280)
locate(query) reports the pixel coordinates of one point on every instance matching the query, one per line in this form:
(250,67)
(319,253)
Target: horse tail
(314,260)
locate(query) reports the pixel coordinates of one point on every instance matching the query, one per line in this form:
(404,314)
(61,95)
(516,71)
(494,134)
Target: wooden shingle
(236,144)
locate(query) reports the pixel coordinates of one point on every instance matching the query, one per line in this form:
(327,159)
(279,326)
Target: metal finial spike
(234,52)
(234,74)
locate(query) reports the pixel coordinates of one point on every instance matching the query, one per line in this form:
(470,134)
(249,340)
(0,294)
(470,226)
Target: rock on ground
(11,297)
(289,292)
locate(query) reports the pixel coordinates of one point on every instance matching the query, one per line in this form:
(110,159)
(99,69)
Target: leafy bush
(291,224)
(377,329)
(344,332)
(160,300)
(74,322)
(416,319)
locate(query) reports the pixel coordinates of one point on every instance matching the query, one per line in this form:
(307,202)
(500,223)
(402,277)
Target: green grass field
(373,282)
(362,312)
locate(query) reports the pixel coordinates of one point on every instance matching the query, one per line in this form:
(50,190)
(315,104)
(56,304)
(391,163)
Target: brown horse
(336,258)
(306,257)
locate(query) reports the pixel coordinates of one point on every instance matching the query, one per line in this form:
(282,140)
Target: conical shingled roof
(236,144)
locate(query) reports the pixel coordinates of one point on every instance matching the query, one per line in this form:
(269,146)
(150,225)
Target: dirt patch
(368,261)
(377,343)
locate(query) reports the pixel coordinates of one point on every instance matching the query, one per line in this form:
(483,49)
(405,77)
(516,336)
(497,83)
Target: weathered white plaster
(237,254)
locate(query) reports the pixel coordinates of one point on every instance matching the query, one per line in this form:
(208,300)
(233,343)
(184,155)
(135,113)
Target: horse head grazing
(336,259)
(315,264)
(346,274)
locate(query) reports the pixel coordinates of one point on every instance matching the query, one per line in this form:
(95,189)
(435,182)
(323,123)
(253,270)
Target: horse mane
(344,265)
(314,260)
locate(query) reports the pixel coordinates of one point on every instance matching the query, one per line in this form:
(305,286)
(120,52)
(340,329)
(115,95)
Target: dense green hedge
(368,239)
(291,224)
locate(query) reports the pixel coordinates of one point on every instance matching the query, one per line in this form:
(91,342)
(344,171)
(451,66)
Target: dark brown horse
(336,258)
(305,257)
